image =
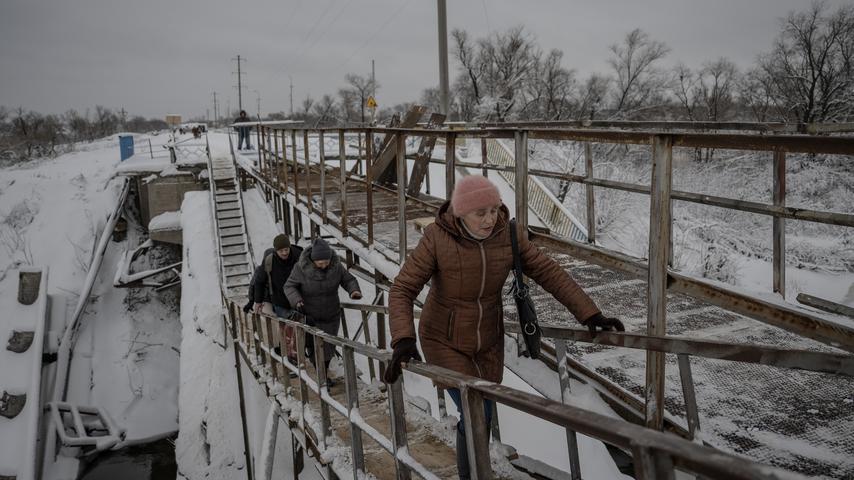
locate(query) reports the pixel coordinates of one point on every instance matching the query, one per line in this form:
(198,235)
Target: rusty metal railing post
(651,464)
(450,163)
(688,394)
(303,389)
(321,150)
(286,211)
(369,182)
(296,166)
(309,201)
(342,157)
(590,199)
(351,384)
(779,225)
(484,157)
(659,249)
(401,197)
(398,426)
(571,437)
(521,144)
(322,375)
(477,435)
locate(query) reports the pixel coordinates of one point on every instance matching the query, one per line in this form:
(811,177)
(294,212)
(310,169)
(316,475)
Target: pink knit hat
(472,193)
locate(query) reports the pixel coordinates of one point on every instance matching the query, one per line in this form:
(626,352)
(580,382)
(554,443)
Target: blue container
(126,146)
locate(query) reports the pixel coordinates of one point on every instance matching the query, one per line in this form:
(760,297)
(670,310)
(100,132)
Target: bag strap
(517,258)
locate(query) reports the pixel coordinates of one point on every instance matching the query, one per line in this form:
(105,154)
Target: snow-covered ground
(126,356)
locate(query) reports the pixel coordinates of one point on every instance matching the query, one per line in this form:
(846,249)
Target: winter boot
(462,456)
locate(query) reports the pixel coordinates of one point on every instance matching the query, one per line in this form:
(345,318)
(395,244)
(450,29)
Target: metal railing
(276,174)
(656,454)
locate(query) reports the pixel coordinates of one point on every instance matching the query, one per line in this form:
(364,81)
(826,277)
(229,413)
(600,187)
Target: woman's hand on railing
(602,323)
(357,295)
(403,351)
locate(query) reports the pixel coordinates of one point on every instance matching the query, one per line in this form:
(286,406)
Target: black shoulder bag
(524,305)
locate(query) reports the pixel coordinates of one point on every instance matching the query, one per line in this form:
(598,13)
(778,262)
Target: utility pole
(239,84)
(216,116)
(373,80)
(258,97)
(292,94)
(443,56)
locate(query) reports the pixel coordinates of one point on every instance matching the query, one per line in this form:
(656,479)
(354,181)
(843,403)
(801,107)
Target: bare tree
(306,106)
(637,78)
(811,67)
(508,59)
(468,82)
(685,88)
(324,109)
(591,95)
(718,84)
(549,89)
(358,90)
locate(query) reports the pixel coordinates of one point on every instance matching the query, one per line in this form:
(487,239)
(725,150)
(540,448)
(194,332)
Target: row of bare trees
(808,76)
(25,133)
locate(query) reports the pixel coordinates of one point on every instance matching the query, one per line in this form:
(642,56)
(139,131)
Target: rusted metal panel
(422,158)
(385,159)
(659,248)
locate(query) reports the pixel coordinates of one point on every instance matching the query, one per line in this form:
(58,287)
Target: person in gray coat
(312,289)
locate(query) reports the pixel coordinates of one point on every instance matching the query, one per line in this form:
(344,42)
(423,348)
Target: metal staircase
(235,263)
(540,200)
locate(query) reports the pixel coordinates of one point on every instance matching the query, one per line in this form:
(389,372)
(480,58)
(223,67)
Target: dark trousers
(462,451)
(330,326)
(243,137)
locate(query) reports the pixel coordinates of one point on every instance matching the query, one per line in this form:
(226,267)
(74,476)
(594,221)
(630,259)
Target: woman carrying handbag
(467,254)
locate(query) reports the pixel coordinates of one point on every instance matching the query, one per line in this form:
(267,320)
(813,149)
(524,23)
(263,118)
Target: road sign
(371,103)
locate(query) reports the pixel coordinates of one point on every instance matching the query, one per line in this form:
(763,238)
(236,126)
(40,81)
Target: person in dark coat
(467,255)
(269,286)
(243,131)
(313,290)
(267,289)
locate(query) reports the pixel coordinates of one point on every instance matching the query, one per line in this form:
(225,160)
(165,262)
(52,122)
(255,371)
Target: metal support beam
(521,142)
(779,225)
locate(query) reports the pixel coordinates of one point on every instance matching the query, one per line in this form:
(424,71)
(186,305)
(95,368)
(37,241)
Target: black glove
(604,324)
(403,351)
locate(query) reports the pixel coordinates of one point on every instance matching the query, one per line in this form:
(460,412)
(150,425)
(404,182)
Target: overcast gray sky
(155,57)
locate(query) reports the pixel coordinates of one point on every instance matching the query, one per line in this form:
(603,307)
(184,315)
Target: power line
(378,30)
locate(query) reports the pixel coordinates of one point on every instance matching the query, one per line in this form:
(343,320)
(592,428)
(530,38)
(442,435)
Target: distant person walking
(313,290)
(243,131)
(467,253)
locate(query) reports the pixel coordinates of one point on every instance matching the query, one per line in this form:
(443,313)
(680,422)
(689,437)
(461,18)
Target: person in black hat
(313,290)
(266,290)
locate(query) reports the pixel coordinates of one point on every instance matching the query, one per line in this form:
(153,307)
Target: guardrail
(277,168)
(656,454)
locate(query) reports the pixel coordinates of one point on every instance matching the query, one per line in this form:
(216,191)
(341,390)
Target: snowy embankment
(209,444)
(125,359)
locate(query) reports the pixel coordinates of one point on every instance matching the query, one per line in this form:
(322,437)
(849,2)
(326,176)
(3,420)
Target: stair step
(230,223)
(226,206)
(230,232)
(235,250)
(226,197)
(228,214)
(235,270)
(232,241)
(239,259)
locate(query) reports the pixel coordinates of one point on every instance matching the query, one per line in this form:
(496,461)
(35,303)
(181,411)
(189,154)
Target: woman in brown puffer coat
(467,255)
